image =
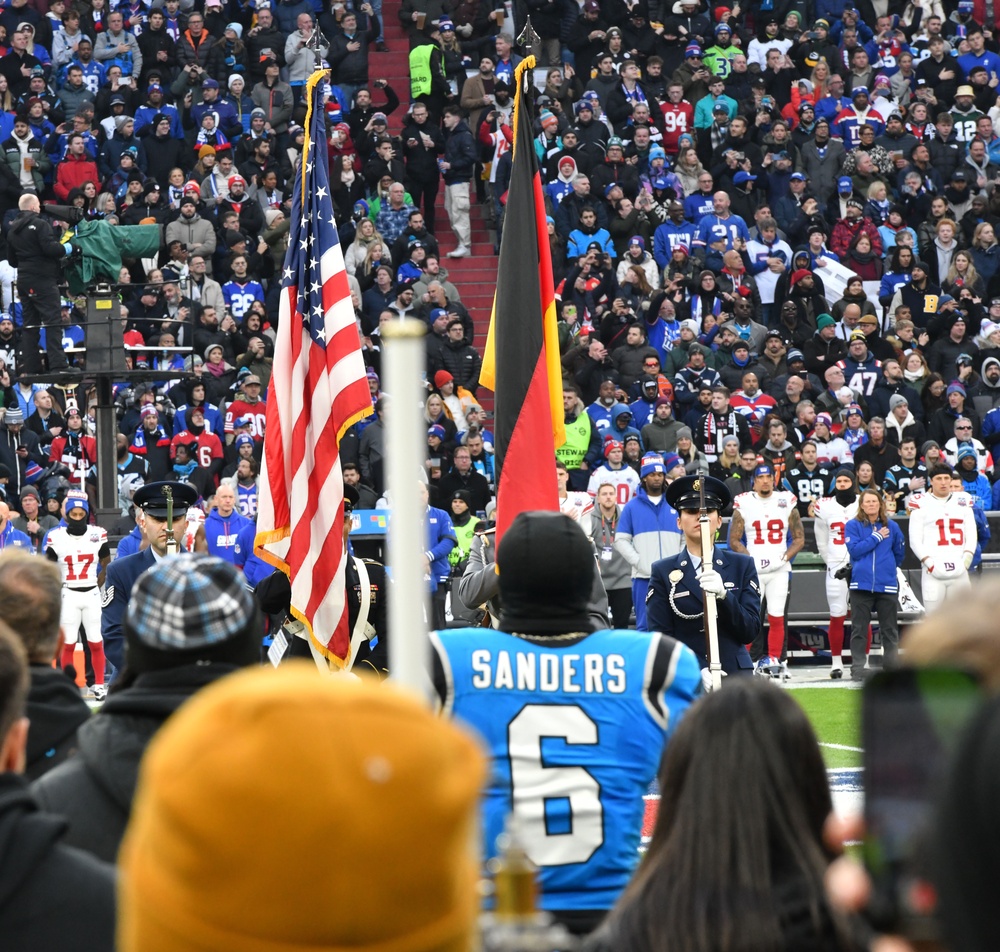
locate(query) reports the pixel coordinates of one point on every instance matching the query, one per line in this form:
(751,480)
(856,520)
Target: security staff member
(33,248)
(366,593)
(151,502)
(674,601)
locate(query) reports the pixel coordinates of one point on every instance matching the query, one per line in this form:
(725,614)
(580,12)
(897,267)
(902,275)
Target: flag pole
(409,608)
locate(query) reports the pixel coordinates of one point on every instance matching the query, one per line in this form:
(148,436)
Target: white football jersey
(766,524)
(79,556)
(625,481)
(942,529)
(195,520)
(576,505)
(831,518)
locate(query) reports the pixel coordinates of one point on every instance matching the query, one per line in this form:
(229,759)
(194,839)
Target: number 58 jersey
(575,732)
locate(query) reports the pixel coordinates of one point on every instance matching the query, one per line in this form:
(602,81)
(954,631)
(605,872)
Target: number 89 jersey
(765,521)
(79,556)
(575,731)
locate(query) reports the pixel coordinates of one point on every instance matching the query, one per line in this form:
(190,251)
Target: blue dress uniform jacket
(674,593)
(118,581)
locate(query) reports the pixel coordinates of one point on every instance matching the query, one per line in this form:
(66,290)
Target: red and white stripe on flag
(318,390)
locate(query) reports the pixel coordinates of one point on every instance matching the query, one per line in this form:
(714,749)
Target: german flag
(521,362)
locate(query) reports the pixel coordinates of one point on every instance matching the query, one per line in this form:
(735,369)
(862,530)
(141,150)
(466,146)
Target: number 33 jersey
(79,556)
(575,731)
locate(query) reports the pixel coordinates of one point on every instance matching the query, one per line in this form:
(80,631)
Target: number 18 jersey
(575,732)
(765,522)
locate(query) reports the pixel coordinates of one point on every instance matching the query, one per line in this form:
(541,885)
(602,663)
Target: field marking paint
(857,750)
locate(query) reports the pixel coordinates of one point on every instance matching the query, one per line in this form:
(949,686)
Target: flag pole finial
(528,39)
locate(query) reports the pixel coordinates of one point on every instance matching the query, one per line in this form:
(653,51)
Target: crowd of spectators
(765,225)
(772,231)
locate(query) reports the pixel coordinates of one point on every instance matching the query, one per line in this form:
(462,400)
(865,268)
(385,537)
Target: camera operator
(34,249)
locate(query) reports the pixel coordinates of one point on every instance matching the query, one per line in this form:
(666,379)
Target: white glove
(711,582)
(706,679)
(967,559)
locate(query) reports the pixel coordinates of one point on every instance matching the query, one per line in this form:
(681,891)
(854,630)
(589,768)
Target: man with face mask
(82,553)
(832,514)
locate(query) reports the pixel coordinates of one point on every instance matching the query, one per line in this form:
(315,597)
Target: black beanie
(546,569)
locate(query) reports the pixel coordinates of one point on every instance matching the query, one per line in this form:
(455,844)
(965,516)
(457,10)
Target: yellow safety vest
(420,70)
(572,453)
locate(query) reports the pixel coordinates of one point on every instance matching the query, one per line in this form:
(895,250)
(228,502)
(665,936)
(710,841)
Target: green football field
(836,718)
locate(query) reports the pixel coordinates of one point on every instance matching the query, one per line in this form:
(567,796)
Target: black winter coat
(94,789)
(55,710)
(36,868)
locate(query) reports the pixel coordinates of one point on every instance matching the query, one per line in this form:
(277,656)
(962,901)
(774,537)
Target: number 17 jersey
(79,556)
(575,732)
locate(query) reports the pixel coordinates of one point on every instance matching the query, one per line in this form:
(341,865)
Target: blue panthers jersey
(575,732)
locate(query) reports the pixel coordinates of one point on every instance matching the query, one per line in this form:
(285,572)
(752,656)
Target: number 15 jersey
(575,731)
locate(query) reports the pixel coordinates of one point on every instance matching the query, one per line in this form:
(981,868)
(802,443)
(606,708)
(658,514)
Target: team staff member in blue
(575,720)
(647,529)
(440,541)
(675,588)
(877,548)
(122,573)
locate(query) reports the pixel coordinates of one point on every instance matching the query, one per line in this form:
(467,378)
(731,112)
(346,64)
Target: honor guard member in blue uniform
(364,582)
(674,602)
(575,720)
(122,573)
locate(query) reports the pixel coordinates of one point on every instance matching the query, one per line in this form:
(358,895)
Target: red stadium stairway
(474,276)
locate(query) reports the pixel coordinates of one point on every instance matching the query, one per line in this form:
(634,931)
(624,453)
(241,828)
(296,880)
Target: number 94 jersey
(79,556)
(765,522)
(575,731)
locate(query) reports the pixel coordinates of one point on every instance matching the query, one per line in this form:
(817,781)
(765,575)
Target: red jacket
(72,172)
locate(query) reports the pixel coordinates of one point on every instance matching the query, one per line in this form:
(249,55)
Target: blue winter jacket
(874,560)
(647,532)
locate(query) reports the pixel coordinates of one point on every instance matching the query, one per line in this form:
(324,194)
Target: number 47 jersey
(575,732)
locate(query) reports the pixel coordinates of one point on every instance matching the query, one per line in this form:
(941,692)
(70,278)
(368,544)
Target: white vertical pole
(406,449)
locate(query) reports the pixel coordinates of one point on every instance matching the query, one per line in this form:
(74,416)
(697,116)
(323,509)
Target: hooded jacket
(94,790)
(55,710)
(647,532)
(35,867)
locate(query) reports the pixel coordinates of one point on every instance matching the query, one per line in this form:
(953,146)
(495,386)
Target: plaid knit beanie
(190,608)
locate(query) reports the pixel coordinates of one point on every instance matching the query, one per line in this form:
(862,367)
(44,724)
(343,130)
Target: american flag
(318,389)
